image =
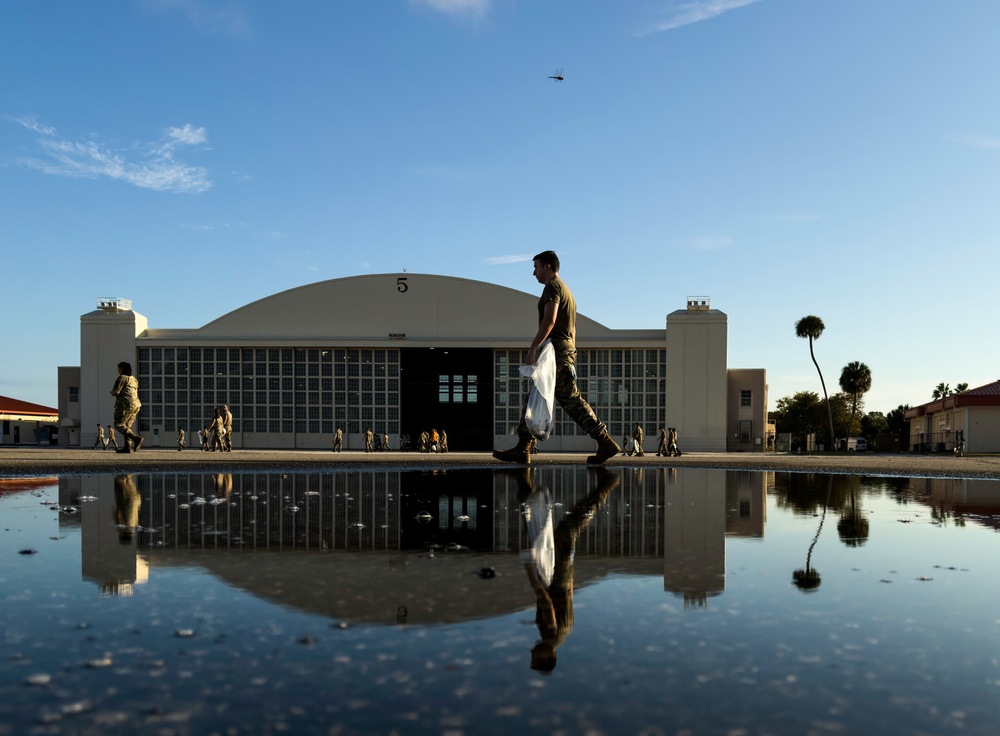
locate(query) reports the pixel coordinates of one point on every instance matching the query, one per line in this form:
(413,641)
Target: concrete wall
(696,378)
(755,381)
(982,429)
(106,339)
(69,411)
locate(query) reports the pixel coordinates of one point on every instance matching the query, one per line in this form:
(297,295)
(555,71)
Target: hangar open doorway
(450,389)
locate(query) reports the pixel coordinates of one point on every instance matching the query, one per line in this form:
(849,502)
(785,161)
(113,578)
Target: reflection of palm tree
(808,580)
(853,527)
(554,600)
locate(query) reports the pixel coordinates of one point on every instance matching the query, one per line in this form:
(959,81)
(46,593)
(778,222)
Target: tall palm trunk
(829,410)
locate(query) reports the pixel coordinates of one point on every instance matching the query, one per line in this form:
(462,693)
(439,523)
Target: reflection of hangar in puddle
(350,545)
(404,353)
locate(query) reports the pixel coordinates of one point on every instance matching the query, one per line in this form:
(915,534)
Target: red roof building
(22,422)
(972,416)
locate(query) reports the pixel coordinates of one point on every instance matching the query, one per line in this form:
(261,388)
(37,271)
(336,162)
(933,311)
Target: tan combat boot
(606,448)
(520,453)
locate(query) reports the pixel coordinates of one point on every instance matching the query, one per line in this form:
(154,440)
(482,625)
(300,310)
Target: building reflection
(109,517)
(409,538)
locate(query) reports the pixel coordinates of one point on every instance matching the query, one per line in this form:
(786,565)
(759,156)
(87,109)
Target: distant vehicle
(853,444)
(558,76)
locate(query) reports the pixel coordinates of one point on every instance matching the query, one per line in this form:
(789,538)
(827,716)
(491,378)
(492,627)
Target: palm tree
(855,380)
(960,387)
(812,327)
(941,391)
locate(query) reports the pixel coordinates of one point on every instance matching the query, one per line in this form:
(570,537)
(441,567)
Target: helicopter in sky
(558,76)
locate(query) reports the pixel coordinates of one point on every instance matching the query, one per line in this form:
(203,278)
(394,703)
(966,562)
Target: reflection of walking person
(127,504)
(126,393)
(549,562)
(557,321)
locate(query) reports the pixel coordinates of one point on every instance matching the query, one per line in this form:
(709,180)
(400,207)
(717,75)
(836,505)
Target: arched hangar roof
(377,306)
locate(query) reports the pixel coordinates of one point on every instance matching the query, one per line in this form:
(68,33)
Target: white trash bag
(540,413)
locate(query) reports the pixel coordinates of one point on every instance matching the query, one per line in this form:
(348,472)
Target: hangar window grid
(270,390)
(624,386)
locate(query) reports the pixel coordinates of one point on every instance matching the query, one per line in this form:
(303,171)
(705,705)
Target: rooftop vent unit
(113,304)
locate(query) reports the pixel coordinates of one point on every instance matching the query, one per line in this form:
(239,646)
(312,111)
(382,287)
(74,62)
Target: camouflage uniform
(127,405)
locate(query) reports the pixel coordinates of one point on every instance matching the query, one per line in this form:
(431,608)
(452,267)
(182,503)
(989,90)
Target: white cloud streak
(152,165)
(695,12)
(710,242)
(505,260)
(469,8)
(976,141)
(208,17)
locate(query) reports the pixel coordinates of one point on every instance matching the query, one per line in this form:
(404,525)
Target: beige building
(973,415)
(401,354)
(24,423)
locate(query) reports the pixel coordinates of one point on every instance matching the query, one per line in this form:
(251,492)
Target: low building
(405,353)
(972,416)
(24,423)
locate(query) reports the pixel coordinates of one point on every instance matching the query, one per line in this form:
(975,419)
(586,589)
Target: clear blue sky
(835,157)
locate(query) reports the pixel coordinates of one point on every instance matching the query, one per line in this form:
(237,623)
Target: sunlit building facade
(402,354)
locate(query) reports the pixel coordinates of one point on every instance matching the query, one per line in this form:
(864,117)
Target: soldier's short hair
(549,258)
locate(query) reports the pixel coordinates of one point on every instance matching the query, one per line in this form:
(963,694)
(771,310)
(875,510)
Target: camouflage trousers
(569,398)
(124,418)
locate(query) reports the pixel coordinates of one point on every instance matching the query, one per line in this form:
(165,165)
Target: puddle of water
(613,601)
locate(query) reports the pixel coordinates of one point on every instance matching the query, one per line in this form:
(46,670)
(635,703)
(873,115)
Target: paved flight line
(22,460)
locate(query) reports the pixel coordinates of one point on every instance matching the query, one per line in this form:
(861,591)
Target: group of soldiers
(667,447)
(432,441)
(103,442)
(217,436)
(373,442)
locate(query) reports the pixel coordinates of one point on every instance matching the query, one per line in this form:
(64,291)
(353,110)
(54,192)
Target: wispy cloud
(210,16)
(187,135)
(468,8)
(31,123)
(242,227)
(793,217)
(694,12)
(453,173)
(504,260)
(712,242)
(976,141)
(149,165)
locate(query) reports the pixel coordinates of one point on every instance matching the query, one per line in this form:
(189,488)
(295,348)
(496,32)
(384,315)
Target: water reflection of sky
(655,601)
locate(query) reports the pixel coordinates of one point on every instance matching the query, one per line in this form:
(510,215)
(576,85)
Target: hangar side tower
(696,381)
(107,337)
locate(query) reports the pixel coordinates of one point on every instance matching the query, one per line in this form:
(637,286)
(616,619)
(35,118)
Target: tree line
(842,414)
